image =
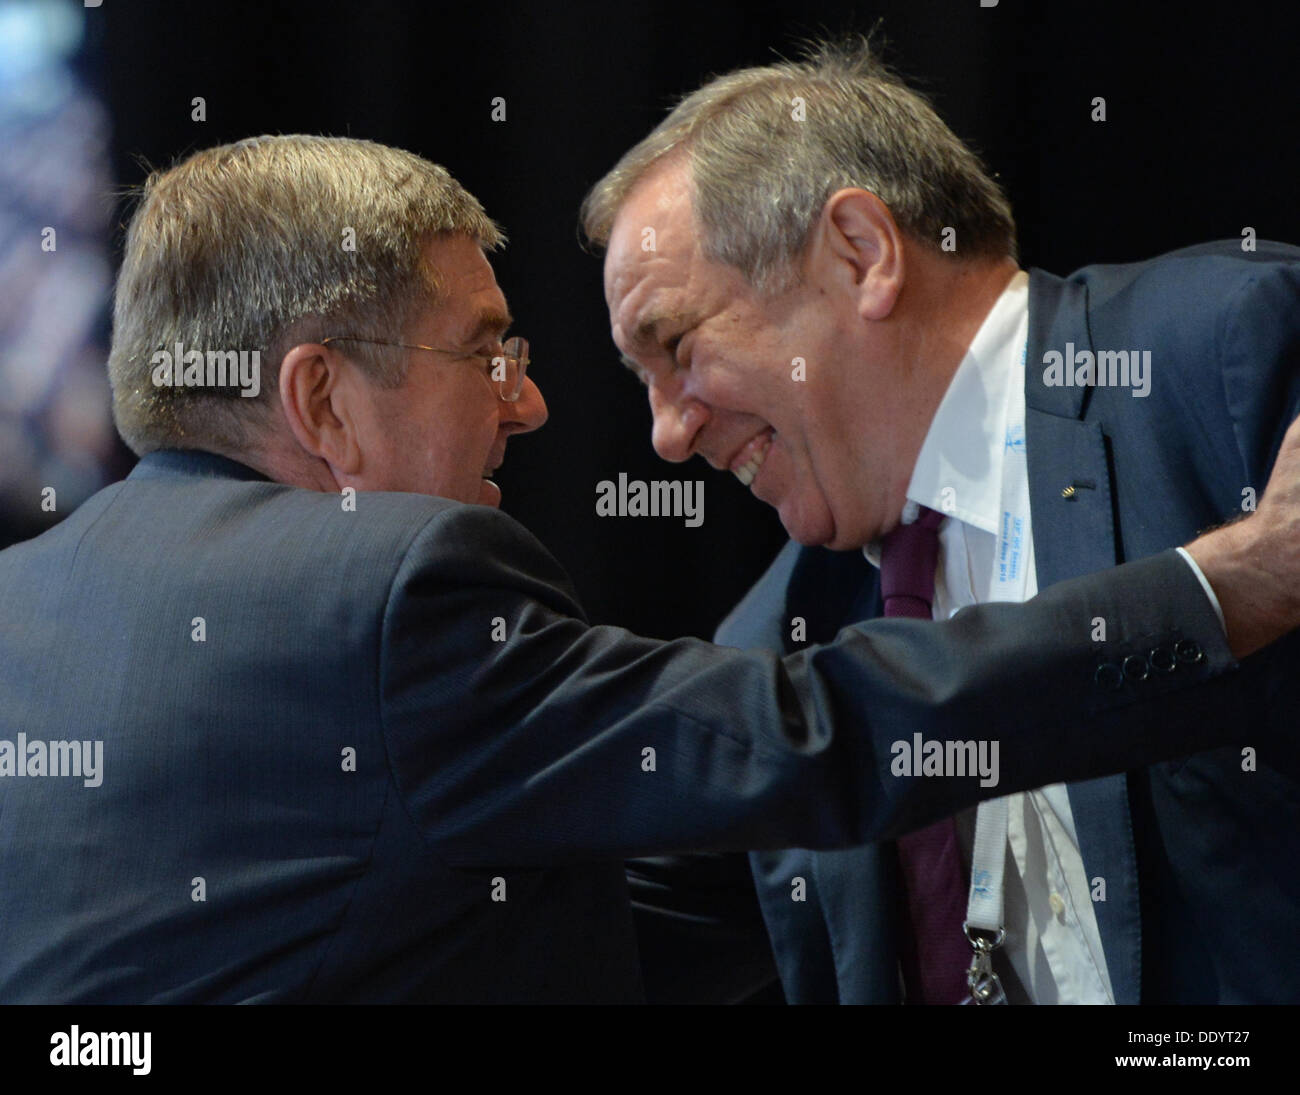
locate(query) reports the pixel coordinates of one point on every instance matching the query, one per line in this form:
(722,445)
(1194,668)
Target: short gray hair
(265,243)
(760,177)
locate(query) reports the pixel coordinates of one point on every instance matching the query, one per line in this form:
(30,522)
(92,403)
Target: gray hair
(761,176)
(263,244)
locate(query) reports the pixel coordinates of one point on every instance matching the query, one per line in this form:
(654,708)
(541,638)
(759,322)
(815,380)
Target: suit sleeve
(564,742)
(700,925)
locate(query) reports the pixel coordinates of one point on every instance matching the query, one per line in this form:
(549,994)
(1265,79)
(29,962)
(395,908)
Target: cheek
(824,426)
(424,441)
(763,389)
(469,430)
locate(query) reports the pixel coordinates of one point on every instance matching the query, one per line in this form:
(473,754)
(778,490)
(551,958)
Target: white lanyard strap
(988,864)
(1011,576)
(984,906)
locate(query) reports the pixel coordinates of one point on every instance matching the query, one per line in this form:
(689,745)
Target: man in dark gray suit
(294,713)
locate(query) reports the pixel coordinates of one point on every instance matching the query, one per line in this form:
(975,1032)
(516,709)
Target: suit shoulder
(1196,284)
(382,513)
(420,535)
(479,547)
(1186,305)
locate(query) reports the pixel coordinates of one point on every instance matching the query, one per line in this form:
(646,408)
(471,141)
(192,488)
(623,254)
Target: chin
(846,543)
(807,529)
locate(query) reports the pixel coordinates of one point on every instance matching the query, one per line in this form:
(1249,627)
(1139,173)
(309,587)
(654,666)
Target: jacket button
(1163,659)
(1136,668)
(1108,677)
(1189,651)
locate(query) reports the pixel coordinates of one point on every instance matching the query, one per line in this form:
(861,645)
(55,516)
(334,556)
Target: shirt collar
(959,468)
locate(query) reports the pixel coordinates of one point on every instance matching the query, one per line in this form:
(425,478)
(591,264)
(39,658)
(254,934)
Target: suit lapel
(830,590)
(1070,497)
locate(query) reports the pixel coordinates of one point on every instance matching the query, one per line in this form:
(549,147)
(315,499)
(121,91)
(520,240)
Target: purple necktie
(936,956)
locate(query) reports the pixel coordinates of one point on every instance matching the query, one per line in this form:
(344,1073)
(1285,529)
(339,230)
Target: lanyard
(984,906)
(983,925)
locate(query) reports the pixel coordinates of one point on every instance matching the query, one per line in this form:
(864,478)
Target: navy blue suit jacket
(379,755)
(1199,858)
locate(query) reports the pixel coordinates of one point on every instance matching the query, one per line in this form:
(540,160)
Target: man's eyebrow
(647,331)
(488,321)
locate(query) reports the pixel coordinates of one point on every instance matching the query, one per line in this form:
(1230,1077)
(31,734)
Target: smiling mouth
(746,463)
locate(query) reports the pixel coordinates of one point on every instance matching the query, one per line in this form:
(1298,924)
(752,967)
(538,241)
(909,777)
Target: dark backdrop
(1199,142)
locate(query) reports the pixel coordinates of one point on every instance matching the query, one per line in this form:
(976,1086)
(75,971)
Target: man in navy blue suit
(294,713)
(832,308)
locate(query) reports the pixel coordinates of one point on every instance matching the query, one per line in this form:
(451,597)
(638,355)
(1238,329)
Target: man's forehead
(470,305)
(662,195)
(652,235)
(464,314)
(462,267)
(645,301)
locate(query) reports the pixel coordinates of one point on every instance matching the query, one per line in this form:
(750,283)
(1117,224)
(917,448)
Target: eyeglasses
(506,368)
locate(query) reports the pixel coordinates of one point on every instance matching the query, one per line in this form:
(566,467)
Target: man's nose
(677,422)
(526,413)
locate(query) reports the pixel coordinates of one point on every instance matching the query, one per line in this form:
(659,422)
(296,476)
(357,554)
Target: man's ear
(318,388)
(860,240)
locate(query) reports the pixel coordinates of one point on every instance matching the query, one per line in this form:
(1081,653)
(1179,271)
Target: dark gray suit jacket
(349,790)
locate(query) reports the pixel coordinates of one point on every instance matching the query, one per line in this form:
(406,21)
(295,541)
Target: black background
(1199,142)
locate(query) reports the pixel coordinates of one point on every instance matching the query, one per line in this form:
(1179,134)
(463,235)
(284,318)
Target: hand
(1253,564)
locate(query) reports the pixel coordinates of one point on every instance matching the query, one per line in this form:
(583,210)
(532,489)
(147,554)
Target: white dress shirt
(972,468)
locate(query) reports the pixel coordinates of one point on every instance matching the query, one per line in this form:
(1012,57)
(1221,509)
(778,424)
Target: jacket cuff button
(1189,652)
(1136,667)
(1108,677)
(1163,659)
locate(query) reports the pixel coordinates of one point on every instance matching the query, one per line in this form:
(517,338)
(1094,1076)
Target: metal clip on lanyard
(985,985)
(983,925)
